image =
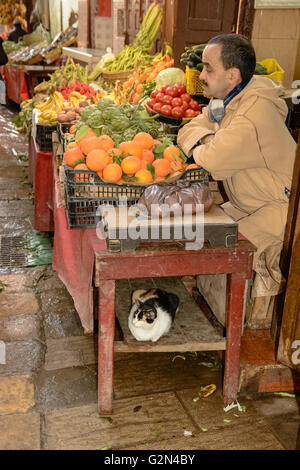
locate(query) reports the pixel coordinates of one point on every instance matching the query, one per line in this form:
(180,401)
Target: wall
(276,34)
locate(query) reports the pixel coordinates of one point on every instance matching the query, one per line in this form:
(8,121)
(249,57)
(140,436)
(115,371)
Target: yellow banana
(46,104)
(76,94)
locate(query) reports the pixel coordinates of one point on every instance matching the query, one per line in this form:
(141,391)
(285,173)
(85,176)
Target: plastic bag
(181,195)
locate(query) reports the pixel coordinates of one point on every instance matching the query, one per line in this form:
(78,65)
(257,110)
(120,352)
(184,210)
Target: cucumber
(199,48)
(191,64)
(195,58)
(199,66)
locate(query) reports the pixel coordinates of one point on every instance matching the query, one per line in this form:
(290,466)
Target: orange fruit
(72,129)
(176,165)
(106,142)
(97,159)
(192,165)
(170,151)
(71,145)
(90,133)
(144,164)
(143,176)
(162,167)
(114,151)
(72,156)
(147,155)
(159,178)
(144,139)
(112,172)
(100,173)
(156,142)
(81,176)
(131,148)
(130,165)
(89,144)
(176,173)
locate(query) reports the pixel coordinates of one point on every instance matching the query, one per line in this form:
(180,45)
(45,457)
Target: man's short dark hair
(236,51)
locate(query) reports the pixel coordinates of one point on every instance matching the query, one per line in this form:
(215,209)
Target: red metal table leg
(106,321)
(233,337)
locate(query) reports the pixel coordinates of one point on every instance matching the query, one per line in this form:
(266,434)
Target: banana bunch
(48,117)
(55,102)
(50,108)
(75,98)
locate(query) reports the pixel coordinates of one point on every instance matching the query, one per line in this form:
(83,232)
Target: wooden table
(163,260)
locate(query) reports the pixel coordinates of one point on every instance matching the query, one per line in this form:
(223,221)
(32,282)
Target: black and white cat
(152,313)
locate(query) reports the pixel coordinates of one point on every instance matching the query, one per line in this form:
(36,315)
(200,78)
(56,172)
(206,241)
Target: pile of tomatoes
(174,101)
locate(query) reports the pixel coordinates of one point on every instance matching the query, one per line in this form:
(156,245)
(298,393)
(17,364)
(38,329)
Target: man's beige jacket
(253,153)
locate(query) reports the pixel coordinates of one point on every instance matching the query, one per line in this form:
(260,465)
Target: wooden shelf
(191,330)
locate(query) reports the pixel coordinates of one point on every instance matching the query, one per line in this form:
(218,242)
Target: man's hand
(207,138)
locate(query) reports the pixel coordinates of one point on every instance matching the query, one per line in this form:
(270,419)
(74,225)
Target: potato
(71,116)
(61,117)
(83,104)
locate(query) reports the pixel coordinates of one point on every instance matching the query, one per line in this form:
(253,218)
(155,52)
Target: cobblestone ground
(48,369)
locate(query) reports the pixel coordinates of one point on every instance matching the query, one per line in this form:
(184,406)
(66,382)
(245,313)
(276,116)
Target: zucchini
(199,66)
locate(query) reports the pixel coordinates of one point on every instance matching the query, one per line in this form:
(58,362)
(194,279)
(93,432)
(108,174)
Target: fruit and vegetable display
(138,50)
(10,10)
(143,80)
(173,101)
(142,159)
(121,123)
(43,50)
(192,57)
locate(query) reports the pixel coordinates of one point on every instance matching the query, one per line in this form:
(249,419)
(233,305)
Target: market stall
(116,122)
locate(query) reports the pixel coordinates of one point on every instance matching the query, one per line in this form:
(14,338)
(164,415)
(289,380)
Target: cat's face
(144,315)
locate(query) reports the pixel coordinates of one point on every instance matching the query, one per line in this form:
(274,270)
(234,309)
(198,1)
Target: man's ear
(234,75)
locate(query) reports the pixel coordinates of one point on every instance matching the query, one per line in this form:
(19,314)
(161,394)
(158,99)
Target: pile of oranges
(131,161)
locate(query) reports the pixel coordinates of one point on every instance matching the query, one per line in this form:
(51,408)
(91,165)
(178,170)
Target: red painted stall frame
(150,263)
(40,176)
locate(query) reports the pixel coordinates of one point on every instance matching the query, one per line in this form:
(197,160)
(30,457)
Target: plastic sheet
(183,195)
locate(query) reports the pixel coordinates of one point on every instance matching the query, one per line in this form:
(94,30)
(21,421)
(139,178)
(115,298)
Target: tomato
(167,99)
(180,87)
(163,89)
(172,91)
(177,112)
(166,109)
(151,102)
(190,113)
(157,107)
(159,97)
(184,105)
(176,102)
(193,104)
(154,94)
(185,97)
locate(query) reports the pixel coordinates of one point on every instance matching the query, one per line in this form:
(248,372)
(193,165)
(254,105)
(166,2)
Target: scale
(124,228)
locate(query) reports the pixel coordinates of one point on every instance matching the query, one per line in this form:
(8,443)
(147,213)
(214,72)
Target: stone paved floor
(48,383)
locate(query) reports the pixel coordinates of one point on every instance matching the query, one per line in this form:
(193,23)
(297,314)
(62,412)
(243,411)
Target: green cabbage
(170,76)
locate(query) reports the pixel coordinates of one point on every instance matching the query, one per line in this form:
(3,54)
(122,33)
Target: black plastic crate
(85,192)
(44,136)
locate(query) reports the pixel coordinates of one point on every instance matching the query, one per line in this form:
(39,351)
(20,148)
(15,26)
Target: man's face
(215,79)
